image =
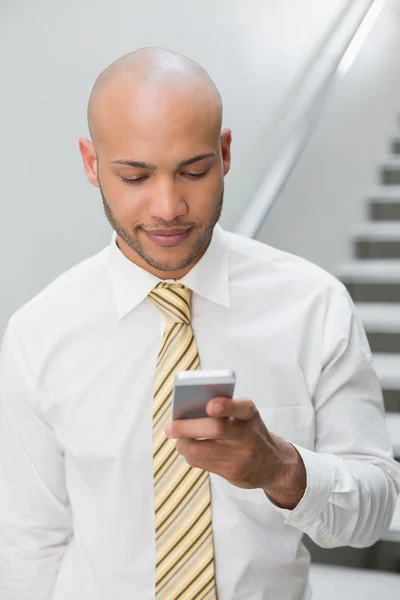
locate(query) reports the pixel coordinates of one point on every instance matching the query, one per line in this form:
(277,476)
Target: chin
(170,265)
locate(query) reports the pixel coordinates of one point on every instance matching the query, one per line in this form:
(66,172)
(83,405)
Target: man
(102,497)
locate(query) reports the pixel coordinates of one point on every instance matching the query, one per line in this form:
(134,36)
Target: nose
(167,203)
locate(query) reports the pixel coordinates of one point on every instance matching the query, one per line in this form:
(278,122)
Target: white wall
(326,193)
(50,53)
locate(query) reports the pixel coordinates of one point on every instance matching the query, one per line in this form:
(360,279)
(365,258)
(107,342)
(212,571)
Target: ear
(89,158)
(226,140)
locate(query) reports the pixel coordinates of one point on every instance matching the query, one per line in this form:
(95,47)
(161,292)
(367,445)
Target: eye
(196,175)
(133,181)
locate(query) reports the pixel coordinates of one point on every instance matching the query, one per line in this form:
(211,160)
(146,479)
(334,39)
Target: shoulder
(266,261)
(67,294)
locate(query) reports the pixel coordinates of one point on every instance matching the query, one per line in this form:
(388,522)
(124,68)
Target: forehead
(157,119)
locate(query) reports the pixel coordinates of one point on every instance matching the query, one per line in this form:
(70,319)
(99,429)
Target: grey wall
(326,193)
(50,53)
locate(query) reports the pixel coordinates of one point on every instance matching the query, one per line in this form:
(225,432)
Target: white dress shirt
(77,366)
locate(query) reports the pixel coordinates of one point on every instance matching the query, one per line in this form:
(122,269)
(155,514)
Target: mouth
(168,237)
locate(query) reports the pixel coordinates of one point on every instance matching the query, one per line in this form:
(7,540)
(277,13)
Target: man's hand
(233,442)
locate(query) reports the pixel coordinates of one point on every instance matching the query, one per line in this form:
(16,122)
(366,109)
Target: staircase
(372,278)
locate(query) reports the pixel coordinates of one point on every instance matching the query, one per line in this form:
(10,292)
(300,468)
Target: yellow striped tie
(184,539)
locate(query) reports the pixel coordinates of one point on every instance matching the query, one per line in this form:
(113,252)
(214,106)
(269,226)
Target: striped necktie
(184,540)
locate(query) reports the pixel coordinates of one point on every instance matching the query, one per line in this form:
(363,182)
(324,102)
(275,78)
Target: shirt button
(298,518)
(327,541)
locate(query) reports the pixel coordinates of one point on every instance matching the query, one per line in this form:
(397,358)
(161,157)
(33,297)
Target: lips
(168,237)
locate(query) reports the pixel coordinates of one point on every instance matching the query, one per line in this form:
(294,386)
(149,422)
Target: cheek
(127,204)
(204,198)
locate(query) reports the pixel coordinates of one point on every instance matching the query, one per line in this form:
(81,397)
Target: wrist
(288,485)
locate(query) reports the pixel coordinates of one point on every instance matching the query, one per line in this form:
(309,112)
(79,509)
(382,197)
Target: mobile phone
(194,389)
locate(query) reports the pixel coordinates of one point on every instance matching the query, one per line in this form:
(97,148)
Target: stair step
(387,367)
(393,427)
(391,400)
(372,280)
(384,203)
(330,582)
(384,193)
(390,171)
(382,323)
(380,231)
(377,239)
(370,271)
(395,145)
(379,317)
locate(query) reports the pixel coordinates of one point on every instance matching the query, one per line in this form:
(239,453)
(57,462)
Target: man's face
(165,204)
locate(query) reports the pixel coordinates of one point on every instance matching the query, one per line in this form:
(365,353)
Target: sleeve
(352,479)
(35,519)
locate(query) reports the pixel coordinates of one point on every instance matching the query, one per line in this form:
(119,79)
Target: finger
(209,428)
(202,454)
(241,409)
(188,428)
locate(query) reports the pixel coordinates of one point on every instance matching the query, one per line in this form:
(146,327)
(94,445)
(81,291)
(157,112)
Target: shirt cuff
(320,475)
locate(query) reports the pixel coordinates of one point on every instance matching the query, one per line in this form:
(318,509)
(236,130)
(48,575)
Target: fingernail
(168,429)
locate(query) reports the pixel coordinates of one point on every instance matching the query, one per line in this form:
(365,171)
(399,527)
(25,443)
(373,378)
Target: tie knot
(173,300)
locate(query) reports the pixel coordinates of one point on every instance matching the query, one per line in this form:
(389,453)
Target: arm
(352,480)
(343,491)
(35,521)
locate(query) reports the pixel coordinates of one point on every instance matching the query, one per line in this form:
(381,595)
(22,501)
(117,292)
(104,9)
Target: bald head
(159,157)
(158,72)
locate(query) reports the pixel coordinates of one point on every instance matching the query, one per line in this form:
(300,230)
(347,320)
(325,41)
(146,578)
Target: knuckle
(248,450)
(253,408)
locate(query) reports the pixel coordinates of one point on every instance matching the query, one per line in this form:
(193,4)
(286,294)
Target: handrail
(315,91)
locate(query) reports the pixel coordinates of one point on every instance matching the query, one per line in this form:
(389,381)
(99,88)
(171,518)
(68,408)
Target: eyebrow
(151,167)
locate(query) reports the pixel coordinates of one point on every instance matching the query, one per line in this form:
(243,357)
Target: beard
(132,238)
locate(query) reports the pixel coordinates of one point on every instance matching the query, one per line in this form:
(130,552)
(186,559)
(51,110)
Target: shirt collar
(209,278)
